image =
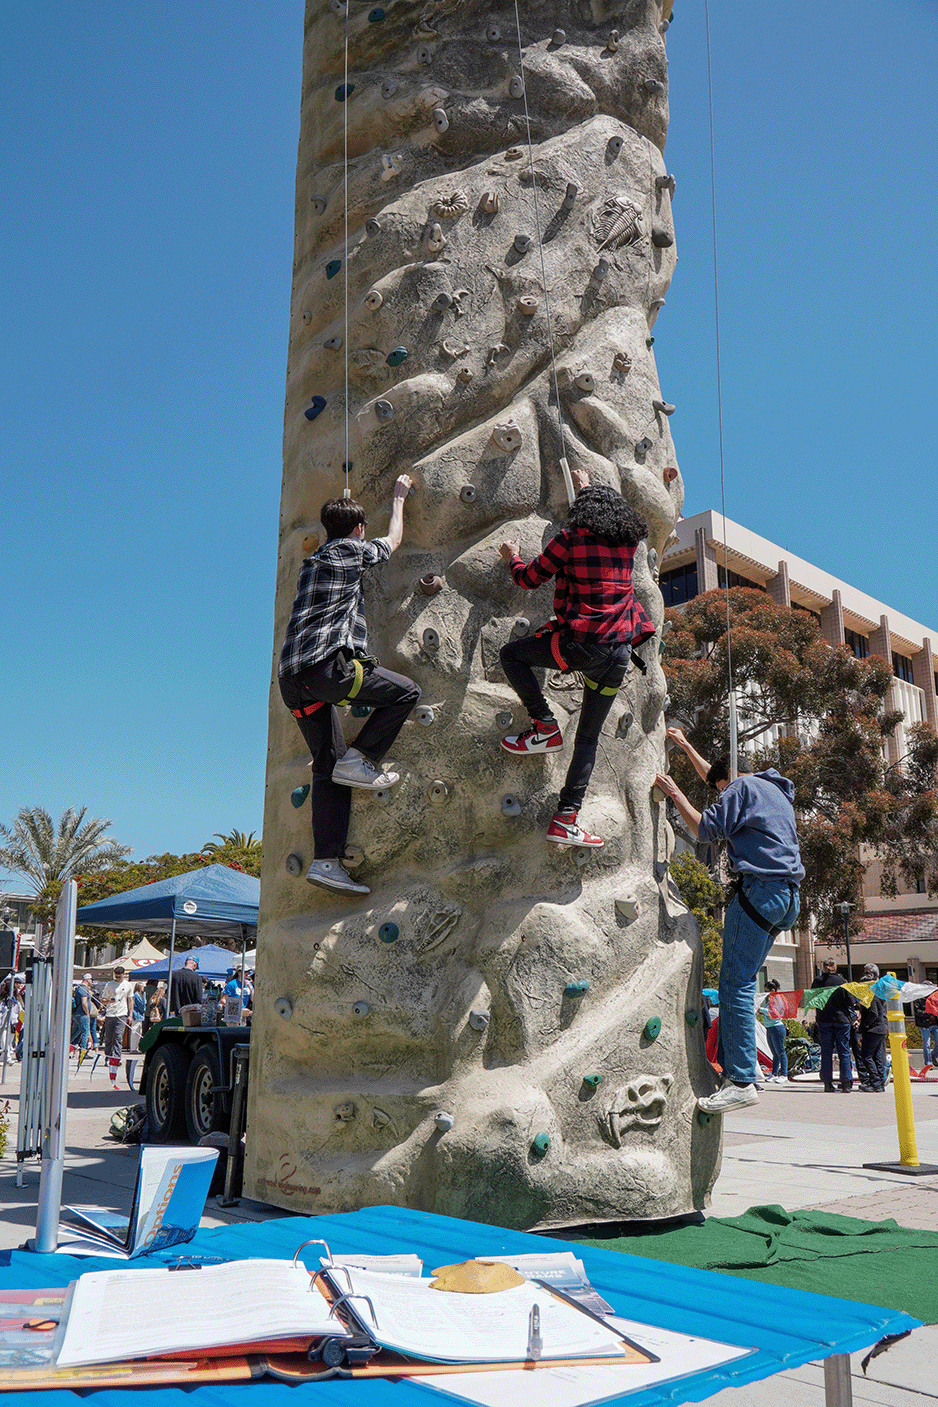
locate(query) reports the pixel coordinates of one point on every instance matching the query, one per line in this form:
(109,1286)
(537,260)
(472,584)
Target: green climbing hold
(361,710)
(652,1028)
(541,1144)
(344,90)
(299,794)
(576,989)
(703,1117)
(389,933)
(333,267)
(691,1017)
(649,341)
(397,356)
(592,1080)
(376,16)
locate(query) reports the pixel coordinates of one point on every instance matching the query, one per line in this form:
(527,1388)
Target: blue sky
(146,272)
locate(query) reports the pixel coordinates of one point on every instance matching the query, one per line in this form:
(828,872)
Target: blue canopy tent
(214,964)
(214,902)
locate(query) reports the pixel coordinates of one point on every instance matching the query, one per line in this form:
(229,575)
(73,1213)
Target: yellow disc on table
(476,1277)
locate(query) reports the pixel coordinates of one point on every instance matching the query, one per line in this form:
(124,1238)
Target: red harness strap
(555,651)
(305,712)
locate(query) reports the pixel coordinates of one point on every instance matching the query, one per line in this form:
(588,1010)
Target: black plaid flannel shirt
(329,607)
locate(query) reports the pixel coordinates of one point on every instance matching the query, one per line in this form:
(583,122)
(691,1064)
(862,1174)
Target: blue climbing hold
(389,933)
(397,356)
(344,90)
(299,794)
(652,1028)
(360,710)
(576,989)
(541,1144)
(376,15)
(592,1081)
(333,267)
(316,407)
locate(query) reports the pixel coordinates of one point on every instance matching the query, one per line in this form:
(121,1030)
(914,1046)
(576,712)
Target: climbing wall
(504,1030)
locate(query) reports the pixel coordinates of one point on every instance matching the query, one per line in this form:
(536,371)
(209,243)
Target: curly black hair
(604,513)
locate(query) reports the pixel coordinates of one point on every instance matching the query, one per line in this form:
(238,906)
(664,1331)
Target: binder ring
(314,1242)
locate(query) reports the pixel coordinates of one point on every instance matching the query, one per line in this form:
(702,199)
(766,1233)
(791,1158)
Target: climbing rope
(716,306)
(347,493)
(564,466)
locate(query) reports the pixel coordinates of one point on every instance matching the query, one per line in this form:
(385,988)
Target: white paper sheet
(680,1355)
(117,1314)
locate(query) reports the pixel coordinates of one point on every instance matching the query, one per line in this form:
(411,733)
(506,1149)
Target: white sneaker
(728,1097)
(354,770)
(332,874)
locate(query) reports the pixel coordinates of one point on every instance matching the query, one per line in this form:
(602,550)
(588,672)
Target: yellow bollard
(902,1084)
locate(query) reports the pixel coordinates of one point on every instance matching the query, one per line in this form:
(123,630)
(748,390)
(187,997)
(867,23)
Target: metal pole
(838,1388)
(169,979)
(847,941)
(53,1153)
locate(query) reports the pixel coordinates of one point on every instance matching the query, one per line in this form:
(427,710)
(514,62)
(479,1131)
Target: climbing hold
(449,350)
(310,543)
(516,86)
(584,381)
(450,204)
(612,43)
(440,120)
(360,1009)
(493,34)
(383,794)
(569,199)
(576,989)
(649,341)
(511,806)
(669,474)
(703,1117)
(541,1144)
(664,26)
(504,719)
(663,407)
(344,90)
(656,305)
(430,584)
(665,183)
(361,710)
(284,1007)
(692,1017)
(527,306)
(373,300)
(478,1020)
(495,352)
(601,268)
(444,1122)
(558,37)
(318,202)
(391,166)
(307,316)
(423,54)
(468,493)
(667,628)
(464,373)
(642,448)
(388,88)
(333,267)
(507,436)
(299,794)
(488,204)
(316,406)
(437,792)
(389,933)
(397,356)
(435,238)
(522,242)
(522,626)
(332,344)
(379,1119)
(384,410)
(652,558)
(622,363)
(294,865)
(593,1081)
(424,715)
(514,153)
(662,239)
(628,907)
(615,145)
(441,302)
(655,87)
(431,639)
(376,15)
(652,1028)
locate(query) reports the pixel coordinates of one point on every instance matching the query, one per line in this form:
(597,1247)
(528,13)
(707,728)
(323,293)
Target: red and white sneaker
(540,737)
(563,830)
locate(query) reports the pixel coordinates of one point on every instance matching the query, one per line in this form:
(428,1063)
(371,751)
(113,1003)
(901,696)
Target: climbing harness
(358,679)
(752,912)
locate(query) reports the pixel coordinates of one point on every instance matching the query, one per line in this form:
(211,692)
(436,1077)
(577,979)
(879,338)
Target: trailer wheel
(166,1090)
(204,1113)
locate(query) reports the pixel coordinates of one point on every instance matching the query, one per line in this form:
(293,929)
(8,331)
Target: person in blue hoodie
(756,818)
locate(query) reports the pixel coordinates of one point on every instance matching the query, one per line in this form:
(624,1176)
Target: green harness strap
(592,684)
(357,683)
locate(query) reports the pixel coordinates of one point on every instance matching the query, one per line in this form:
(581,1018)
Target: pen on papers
(535,1343)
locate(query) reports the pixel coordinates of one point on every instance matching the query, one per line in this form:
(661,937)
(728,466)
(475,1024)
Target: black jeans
(391,697)
(872,1060)
(604,665)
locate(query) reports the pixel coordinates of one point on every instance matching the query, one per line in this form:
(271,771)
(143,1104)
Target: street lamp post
(844,911)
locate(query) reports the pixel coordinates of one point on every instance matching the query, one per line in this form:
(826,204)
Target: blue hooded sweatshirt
(756,818)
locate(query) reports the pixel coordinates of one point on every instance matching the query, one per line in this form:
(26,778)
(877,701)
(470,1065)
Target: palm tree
(39,851)
(234,840)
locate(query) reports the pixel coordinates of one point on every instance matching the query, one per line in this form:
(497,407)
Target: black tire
(204,1113)
(166,1094)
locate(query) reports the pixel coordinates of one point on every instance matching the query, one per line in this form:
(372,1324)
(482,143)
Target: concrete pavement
(798,1147)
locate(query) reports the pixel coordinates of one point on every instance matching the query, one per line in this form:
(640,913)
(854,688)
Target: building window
(859,644)
(920,886)
(679,585)
(902,667)
(736,580)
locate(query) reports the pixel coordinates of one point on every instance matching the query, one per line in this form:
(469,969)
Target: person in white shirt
(117,997)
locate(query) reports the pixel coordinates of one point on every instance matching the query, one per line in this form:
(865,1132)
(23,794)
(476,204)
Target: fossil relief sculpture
(502,1029)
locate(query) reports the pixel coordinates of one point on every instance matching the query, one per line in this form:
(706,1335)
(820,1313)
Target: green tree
(702,895)
(818,715)
(42,852)
(237,850)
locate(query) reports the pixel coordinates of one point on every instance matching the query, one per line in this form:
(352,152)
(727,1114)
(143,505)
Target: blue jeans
(776,1035)
(929,1044)
(745,948)
(835,1035)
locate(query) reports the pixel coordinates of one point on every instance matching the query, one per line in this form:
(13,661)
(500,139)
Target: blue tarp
(215,964)
(215,902)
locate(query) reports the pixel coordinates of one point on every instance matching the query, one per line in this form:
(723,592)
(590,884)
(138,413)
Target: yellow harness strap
(592,684)
(357,682)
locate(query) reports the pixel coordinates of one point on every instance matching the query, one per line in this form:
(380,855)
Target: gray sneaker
(332,874)
(727,1097)
(354,770)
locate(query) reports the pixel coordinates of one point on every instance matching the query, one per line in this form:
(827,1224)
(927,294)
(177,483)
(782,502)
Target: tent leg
(838,1388)
(169,979)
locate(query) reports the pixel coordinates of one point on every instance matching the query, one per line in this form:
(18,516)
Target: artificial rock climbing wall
(505,1030)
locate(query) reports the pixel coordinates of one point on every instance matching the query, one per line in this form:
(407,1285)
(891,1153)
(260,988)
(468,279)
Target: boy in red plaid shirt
(597,620)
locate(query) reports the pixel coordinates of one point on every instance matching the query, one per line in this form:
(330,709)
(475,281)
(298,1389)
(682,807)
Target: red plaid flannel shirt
(593,597)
